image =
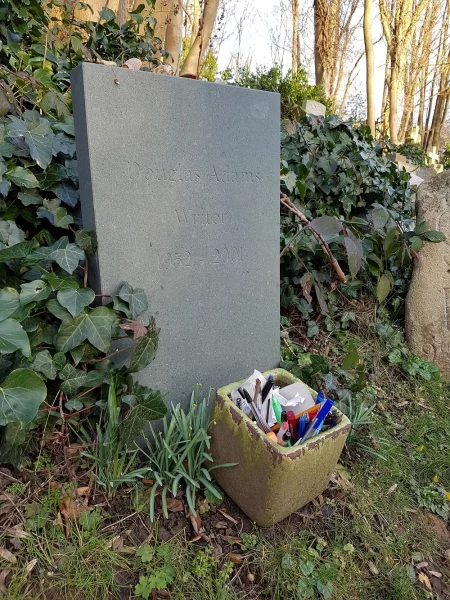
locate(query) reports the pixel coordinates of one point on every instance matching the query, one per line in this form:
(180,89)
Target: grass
(361,541)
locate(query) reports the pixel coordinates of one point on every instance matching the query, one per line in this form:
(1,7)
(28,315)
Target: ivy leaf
(75,300)
(355,252)
(62,218)
(135,298)
(383,288)
(95,326)
(10,234)
(57,310)
(68,258)
(328,227)
(15,433)
(380,217)
(67,193)
(13,337)
(86,240)
(23,177)
(43,363)
(72,379)
(32,197)
(289,180)
(34,291)
(141,413)
(416,243)
(421,228)
(434,236)
(73,404)
(9,302)
(60,283)
(144,351)
(37,134)
(21,250)
(21,394)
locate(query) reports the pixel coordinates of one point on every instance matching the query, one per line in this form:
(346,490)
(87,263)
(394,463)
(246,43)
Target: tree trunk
(85,14)
(368,44)
(201,42)
(174,37)
(122,11)
(318,35)
(295,38)
(393,97)
(423,83)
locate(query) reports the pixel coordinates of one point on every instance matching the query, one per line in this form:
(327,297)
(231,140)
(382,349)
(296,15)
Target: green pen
(277,410)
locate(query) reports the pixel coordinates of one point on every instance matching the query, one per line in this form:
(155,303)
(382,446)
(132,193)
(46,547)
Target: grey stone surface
(311,107)
(180,179)
(428,300)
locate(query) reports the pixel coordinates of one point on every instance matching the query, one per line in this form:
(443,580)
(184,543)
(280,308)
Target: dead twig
(285,201)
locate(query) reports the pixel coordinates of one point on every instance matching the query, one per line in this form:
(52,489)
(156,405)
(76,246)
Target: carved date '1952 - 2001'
(216,256)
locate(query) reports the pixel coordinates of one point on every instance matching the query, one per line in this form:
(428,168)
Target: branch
(285,201)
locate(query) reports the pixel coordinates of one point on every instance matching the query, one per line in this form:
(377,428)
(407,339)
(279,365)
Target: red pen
(291,425)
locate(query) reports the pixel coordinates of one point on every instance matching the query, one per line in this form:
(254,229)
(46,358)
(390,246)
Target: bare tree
(295,37)
(399,21)
(368,44)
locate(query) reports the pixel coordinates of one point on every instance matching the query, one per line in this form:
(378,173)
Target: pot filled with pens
(285,437)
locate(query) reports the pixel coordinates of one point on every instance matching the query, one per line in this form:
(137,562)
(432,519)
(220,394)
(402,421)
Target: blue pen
(301,426)
(316,424)
(320,397)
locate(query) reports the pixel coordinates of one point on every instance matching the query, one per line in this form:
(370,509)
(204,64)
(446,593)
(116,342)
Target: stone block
(428,299)
(180,180)
(311,107)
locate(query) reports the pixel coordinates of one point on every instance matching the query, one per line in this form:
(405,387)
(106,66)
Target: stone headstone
(311,107)
(414,136)
(180,179)
(428,300)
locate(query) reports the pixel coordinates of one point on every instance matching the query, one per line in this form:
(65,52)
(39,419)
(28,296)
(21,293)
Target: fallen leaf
(424,579)
(148,481)
(55,485)
(196,538)
(372,568)
(132,63)
(175,505)
(74,448)
(227,516)
(30,566)
(196,522)
(220,525)
(138,329)
(59,521)
(3,575)
(392,488)
(83,491)
(435,574)
(421,565)
(235,558)
(18,533)
(7,555)
(116,543)
(291,127)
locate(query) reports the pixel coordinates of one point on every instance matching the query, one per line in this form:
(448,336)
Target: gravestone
(428,300)
(180,180)
(311,107)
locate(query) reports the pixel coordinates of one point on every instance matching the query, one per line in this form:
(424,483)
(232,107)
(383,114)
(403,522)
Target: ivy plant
(61,344)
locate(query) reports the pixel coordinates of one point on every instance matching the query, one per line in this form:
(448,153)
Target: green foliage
(446,156)
(360,203)
(302,571)
(413,152)
(55,340)
(114,460)
(161,570)
(178,455)
(433,497)
(293,88)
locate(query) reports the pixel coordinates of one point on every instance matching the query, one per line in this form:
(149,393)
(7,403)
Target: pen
(301,426)
(316,424)
(267,387)
(286,441)
(320,397)
(291,424)
(276,409)
(258,418)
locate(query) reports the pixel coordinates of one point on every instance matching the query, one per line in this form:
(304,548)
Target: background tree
(368,44)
